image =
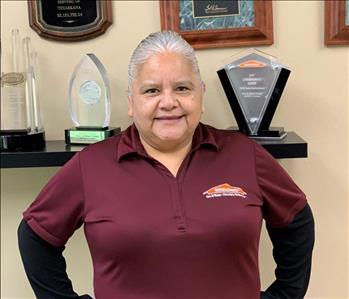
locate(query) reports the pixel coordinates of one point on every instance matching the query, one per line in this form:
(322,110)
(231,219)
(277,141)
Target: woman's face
(166,101)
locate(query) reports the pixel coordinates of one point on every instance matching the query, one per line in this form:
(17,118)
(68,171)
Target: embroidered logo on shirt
(224,190)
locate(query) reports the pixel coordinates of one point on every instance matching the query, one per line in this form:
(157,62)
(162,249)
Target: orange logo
(224,190)
(251,63)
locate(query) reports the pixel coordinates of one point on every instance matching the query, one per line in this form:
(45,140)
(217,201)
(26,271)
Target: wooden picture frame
(259,34)
(336,29)
(70,21)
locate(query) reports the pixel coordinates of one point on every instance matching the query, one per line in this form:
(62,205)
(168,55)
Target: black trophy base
(88,135)
(274,133)
(21,141)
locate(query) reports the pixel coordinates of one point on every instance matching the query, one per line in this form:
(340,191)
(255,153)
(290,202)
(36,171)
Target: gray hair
(157,43)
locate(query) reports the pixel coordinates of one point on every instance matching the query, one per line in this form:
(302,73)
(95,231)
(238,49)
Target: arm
(45,266)
(292,252)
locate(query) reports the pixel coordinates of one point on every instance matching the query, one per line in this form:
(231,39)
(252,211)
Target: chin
(171,134)
(170,137)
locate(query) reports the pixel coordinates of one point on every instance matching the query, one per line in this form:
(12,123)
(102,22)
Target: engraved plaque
(69,20)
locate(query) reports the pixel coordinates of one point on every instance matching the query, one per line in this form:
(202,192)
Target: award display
(89,103)
(253,83)
(21,126)
(69,20)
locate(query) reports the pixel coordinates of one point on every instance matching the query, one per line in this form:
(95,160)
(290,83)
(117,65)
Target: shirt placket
(177,204)
(175,194)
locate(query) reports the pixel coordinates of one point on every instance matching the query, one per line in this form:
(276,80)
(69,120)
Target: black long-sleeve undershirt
(292,251)
(45,265)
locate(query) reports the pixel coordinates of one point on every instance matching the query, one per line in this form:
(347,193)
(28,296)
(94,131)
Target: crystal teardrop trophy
(253,83)
(89,103)
(21,126)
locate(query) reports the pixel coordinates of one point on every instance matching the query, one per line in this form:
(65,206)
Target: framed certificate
(217,24)
(337,22)
(69,20)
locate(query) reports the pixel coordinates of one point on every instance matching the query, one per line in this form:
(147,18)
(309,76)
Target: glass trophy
(89,103)
(21,126)
(253,83)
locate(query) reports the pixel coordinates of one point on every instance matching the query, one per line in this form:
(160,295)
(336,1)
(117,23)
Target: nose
(168,100)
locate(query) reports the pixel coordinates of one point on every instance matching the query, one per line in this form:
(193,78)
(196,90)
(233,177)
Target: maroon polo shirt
(156,236)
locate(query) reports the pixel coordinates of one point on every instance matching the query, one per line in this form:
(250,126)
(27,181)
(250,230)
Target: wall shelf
(56,153)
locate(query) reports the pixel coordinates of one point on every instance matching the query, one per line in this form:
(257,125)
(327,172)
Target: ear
(203,90)
(130,106)
(203,87)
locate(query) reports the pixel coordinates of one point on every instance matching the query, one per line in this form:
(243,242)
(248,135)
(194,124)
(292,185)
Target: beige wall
(314,104)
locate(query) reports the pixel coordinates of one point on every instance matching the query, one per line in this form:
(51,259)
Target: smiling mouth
(169,117)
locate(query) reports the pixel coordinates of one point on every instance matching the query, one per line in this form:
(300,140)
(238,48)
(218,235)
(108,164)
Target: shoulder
(105,149)
(228,138)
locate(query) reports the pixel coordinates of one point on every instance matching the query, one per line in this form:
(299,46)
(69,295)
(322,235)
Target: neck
(172,157)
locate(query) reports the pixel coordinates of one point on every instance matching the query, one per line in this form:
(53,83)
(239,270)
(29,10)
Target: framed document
(217,24)
(337,22)
(69,20)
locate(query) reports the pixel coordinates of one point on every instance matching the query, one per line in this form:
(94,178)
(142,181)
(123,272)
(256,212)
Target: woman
(171,208)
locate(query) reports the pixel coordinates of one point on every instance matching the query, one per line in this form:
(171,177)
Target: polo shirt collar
(130,142)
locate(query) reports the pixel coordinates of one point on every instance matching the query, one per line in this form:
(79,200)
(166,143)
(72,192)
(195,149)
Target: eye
(182,88)
(151,91)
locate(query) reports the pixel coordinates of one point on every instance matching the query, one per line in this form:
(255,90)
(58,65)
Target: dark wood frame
(100,28)
(261,34)
(336,32)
